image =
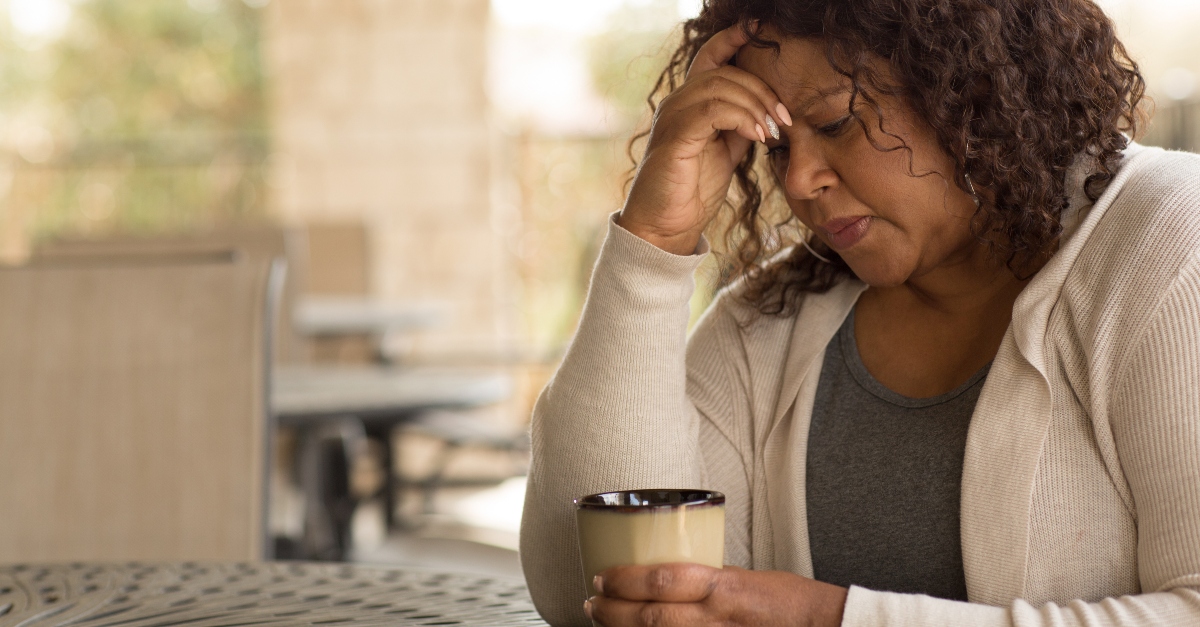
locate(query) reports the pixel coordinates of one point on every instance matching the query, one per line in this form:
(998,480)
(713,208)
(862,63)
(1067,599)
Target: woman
(970,397)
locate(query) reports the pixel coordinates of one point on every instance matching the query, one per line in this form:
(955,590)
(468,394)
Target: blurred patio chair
(324,260)
(133,413)
(261,243)
(338,266)
(338,259)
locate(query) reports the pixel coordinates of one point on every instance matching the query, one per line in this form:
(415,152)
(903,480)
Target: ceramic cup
(649,527)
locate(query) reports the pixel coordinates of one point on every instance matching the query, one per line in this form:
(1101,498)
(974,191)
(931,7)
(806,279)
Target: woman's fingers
(699,121)
(715,55)
(737,87)
(718,50)
(761,91)
(686,594)
(619,612)
(701,132)
(670,583)
(663,595)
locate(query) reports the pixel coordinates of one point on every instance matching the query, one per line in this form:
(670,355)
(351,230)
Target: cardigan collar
(785,441)
(1031,311)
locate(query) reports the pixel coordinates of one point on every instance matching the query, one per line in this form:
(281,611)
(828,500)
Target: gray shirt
(883,479)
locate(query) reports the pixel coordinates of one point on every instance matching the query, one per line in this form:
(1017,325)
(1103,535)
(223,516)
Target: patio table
(268,594)
(387,395)
(324,403)
(345,315)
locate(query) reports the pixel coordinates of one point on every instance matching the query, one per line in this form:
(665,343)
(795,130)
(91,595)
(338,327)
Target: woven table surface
(273,593)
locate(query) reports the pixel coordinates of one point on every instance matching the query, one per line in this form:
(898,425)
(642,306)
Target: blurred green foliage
(568,184)
(626,59)
(142,115)
(159,67)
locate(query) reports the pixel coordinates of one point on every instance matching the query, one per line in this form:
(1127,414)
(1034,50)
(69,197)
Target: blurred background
(436,173)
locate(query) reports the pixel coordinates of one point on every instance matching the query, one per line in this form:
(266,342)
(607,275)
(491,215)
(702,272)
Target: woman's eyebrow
(817,96)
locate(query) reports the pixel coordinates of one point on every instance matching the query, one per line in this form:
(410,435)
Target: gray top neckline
(869,383)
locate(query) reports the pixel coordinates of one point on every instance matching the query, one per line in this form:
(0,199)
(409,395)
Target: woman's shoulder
(1150,215)
(1156,196)
(1141,236)
(1152,162)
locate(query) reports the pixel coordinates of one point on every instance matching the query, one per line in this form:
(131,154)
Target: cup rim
(619,501)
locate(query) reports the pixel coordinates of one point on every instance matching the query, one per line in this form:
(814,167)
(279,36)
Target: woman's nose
(808,174)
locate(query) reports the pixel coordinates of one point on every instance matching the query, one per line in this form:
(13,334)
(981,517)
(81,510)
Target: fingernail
(761,135)
(587,608)
(784,116)
(598,581)
(772,128)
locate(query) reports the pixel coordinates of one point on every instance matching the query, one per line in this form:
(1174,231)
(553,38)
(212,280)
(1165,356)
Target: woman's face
(892,215)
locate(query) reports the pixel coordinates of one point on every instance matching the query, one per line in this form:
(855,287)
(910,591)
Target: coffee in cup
(639,527)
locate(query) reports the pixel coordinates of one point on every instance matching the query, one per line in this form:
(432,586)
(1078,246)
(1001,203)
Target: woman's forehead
(798,72)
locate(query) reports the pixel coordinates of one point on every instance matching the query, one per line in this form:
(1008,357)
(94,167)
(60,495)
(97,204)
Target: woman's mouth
(846,232)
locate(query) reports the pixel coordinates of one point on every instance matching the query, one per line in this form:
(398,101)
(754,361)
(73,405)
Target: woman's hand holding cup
(653,558)
(693,595)
(701,132)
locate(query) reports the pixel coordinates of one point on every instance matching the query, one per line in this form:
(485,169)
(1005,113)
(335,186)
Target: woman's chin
(879,274)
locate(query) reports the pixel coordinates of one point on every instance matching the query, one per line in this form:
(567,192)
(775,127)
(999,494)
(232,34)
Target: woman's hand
(667,595)
(701,132)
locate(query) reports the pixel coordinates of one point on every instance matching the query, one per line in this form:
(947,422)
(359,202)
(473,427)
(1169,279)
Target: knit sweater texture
(1081,477)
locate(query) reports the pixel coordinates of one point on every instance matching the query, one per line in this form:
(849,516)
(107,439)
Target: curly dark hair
(1014,91)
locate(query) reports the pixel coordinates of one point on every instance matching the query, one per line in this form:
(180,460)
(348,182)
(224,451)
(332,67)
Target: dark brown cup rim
(642,500)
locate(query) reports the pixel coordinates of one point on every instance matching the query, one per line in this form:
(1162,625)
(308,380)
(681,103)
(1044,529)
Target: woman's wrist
(682,244)
(829,607)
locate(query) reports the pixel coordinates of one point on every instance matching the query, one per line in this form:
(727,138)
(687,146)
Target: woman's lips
(846,232)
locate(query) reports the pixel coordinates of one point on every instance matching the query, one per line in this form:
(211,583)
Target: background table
(328,405)
(387,325)
(267,594)
(343,315)
(301,394)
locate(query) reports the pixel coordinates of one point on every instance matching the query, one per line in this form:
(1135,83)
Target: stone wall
(379,114)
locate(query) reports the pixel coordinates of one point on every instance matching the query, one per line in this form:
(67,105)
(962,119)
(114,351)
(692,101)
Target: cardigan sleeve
(1155,417)
(617,415)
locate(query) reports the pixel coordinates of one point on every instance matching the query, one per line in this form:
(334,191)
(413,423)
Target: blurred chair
(261,243)
(343,322)
(133,417)
(339,259)
(328,265)
(338,266)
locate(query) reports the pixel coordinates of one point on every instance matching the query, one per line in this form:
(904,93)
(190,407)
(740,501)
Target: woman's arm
(623,412)
(615,415)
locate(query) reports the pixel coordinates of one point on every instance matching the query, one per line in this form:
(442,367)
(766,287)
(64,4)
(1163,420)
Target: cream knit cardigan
(1081,480)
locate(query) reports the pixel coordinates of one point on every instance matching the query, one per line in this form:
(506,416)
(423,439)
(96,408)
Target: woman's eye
(833,129)
(778,154)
